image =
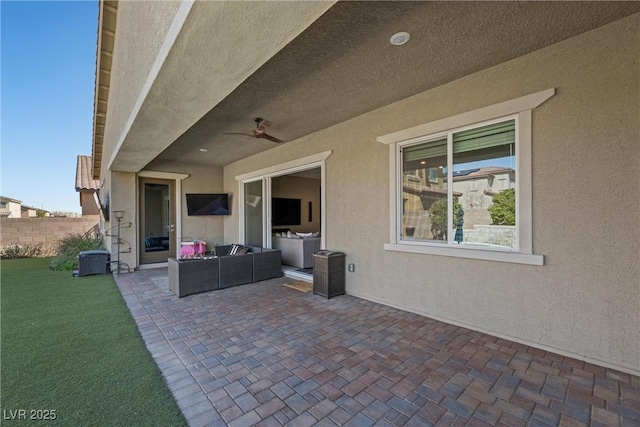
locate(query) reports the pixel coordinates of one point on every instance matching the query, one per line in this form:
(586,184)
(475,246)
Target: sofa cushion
(255,249)
(238,250)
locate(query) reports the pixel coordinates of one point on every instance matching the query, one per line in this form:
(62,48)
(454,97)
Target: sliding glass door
(257,192)
(254,224)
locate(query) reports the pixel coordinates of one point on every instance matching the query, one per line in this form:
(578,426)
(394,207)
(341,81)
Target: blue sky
(47,83)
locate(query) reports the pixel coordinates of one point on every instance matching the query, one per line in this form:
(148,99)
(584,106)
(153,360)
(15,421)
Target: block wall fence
(42,230)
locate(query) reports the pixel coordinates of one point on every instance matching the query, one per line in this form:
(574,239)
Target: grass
(70,345)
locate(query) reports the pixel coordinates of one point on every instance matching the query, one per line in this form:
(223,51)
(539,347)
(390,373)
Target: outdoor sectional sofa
(192,276)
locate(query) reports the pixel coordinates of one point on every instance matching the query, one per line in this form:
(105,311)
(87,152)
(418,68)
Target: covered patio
(266,354)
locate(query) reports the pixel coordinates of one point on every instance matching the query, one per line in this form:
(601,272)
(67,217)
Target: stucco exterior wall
(585,300)
(12,209)
(123,191)
(202,179)
(88,203)
(123,194)
(146,22)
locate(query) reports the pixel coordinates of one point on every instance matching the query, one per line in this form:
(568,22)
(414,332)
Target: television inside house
(285,211)
(208,204)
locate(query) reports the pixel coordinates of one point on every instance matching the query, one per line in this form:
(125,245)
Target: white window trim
(521,108)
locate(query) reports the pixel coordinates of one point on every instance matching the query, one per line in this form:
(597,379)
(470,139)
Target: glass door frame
(299,165)
(165,217)
(266,208)
(177,196)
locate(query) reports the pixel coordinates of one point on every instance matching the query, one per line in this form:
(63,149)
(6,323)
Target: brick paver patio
(265,354)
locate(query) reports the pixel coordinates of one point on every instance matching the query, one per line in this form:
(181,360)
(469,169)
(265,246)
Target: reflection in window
(424,189)
(479,208)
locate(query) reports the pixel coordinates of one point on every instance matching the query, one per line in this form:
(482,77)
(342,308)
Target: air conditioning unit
(94,262)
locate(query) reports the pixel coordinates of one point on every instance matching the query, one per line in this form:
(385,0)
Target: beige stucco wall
(146,22)
(193,69)
(201,179)
(88,203)
(13,209)
(123,191)
(123,196)
(585,300)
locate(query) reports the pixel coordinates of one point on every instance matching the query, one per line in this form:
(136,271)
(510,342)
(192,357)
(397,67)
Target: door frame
(293,166)
(266,207)
(168,176)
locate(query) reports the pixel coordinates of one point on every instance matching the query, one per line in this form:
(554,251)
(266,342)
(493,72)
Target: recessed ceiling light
(204,150)
(423,162)
(398,39)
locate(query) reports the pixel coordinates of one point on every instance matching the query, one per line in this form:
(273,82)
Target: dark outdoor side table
(329,273)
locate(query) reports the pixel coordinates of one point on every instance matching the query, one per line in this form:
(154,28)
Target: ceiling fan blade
(238,133)
(260,132)
(270,138)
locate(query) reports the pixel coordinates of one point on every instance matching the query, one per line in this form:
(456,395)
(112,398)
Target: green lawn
(70,345)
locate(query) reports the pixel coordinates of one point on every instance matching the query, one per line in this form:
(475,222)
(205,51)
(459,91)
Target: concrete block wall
(42,230)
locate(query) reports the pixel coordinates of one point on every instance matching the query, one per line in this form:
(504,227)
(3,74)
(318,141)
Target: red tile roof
(83,175)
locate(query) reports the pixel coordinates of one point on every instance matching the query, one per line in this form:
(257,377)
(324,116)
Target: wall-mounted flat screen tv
(285,211)
(208,204)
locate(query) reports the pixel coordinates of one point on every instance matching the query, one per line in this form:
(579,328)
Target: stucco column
(122,189)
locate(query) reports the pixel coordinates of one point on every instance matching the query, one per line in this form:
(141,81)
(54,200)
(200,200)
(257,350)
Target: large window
(461,186)
(453,187)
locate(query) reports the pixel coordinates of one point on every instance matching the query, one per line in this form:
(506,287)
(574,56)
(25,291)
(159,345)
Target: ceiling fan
(259,132)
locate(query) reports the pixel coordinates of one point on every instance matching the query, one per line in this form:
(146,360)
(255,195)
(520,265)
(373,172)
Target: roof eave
(106,33)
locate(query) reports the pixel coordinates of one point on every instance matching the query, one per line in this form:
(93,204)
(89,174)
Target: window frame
(518,108)
(448,134)
(433,178)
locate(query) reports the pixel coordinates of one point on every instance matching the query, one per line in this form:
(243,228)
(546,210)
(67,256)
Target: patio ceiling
(342,65)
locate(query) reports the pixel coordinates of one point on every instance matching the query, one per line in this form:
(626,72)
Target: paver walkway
(265,354)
